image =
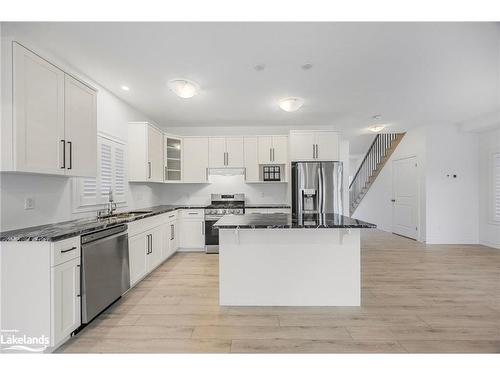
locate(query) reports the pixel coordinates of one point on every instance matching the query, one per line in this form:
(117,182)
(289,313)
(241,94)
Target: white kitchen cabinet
(67,299)
(155,248)
(172,152)
(226,152)
(80,119)
(38,105)
(195,159)
(137,254)
(52,126)
(314,146)
(251,157)
(145,153)
(192,229)
(273,149)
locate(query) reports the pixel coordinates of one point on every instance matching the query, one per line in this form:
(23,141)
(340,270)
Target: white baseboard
(490,244)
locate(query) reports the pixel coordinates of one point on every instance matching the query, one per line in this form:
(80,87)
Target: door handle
(63,153)
(68,250)
(70,154)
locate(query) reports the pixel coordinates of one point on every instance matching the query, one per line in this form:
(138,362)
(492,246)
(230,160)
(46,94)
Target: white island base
(289,267)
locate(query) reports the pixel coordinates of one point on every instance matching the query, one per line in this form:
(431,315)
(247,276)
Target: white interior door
(404,190)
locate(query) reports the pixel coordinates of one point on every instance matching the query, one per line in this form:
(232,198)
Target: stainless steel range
(221,204)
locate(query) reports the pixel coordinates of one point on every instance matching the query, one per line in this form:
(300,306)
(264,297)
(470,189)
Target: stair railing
(368,167)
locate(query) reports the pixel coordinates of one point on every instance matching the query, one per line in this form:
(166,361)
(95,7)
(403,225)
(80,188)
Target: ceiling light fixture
(125,88)
(307,66)
(259,67)
(184,88)
(291,104)
(377,128)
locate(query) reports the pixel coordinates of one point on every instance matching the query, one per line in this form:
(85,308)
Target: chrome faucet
(110,206)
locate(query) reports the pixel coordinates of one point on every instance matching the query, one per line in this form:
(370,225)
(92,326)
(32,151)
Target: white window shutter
(111,166)
(496,187)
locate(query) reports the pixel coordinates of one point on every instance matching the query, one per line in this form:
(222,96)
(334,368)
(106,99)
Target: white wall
(53,194)
(489,232)
(452,203)
(200,193)
(376,206)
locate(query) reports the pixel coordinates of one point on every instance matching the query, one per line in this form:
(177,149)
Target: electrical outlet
(29,203)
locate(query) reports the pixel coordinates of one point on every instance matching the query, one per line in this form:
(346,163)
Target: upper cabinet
(225,152)
(195,157)
(80,103)
(172,152)
(145,150)
(314,146)
(273,149)
(54,120)
(251,149)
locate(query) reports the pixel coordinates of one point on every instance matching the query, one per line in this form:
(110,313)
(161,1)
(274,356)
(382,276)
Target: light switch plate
(29,203)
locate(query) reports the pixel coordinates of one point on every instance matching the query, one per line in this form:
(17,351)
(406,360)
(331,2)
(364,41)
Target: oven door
(211,236)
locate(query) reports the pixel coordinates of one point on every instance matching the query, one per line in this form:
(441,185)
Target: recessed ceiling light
(291,104)
(377,128)
(259,67)
(377,117)
(125,88)
(307,66)
(184,88)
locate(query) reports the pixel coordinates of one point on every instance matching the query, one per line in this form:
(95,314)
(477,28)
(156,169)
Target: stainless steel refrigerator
(317,187)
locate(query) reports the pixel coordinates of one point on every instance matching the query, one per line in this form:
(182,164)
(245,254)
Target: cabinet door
(155,248)
(80,124)
(327,146)
(38,93)
(302,146)
(195,159)
(137,249)
(155,155)
(192,234)
(251,159)
(216,152)
(234,150)
(280,150)
(265,149)
(165,232)
(66,303)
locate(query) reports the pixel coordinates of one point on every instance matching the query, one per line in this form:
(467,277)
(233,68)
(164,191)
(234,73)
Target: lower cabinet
(192,234)
(137,254)
(67,300)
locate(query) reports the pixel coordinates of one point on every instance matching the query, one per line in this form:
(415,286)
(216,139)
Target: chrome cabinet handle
(68,250)
(70,154)
(317,151)
(192,213)
(166,174)
(63,153)
(314,151)
(393,200)
(149,169)
(203,228)
(270,154)
(274,158)
(171,232)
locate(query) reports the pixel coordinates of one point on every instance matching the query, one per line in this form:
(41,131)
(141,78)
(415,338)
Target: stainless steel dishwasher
(105,269)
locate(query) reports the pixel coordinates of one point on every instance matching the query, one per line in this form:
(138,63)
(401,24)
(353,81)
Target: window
(91,192)
(496,187)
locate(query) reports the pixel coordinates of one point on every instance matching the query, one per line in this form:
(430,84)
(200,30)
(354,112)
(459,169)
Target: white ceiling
(410,73)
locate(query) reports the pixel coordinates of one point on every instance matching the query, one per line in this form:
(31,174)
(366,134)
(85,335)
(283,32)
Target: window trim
(76,181)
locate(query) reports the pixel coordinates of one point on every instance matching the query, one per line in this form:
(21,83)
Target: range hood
(226,171)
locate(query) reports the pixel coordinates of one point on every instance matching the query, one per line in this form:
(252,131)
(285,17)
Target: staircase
(379,152)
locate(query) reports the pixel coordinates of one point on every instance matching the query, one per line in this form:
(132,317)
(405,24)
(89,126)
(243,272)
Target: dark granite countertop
(267,205)
(287,221)
(67,229)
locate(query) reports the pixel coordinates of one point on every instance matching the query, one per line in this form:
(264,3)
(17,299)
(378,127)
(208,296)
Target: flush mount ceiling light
(377,128)
(259,67)
(306,66)
(184,88)
(125,88)
(291,104)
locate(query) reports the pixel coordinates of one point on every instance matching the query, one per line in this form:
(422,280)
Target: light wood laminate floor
(415,298)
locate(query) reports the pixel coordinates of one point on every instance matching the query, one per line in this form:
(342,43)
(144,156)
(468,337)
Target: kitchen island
(289,260)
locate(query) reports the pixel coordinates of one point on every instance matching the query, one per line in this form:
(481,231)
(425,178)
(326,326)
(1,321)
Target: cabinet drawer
(193,214)
(65,250)
(171,216)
